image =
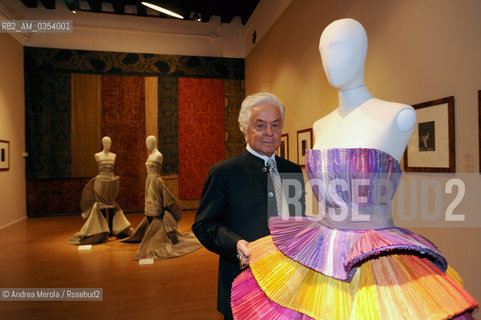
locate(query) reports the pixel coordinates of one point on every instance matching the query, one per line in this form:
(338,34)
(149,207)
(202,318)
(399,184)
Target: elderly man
(237,199)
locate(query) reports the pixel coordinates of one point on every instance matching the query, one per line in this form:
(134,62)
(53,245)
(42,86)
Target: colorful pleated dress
(350,261)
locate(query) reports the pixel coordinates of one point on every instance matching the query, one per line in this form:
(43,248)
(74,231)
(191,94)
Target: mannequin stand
(108,214)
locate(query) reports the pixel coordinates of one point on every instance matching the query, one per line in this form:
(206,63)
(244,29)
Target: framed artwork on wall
(283,150)
(479,128)
(431,147)
(4,155)
(304,141)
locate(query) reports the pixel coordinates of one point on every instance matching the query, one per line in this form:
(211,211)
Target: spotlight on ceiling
(163,10)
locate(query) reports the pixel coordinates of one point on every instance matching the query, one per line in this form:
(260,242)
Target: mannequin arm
(406,119)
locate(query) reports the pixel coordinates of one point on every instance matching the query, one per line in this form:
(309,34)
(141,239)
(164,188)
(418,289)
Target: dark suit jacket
(233,206)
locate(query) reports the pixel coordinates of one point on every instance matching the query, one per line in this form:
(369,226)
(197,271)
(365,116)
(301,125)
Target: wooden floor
(35,254)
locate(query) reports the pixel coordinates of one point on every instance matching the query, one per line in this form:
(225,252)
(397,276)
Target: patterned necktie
(282,208)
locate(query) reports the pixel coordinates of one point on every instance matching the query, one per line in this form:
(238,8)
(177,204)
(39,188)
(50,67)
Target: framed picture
(4,155)
(283,150)
(304,141)
(479,127)
(431,147)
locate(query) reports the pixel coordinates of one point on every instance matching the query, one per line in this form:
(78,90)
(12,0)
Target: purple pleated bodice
(354,188)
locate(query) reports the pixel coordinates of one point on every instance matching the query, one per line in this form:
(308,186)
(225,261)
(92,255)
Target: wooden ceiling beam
(48,4)
(30,3)
(119,6)
(95,5)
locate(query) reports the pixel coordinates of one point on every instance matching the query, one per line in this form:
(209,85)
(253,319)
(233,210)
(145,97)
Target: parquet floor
(35,254)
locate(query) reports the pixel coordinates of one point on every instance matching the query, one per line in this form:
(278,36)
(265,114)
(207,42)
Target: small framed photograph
(304,141)
(4,155)
(283,150)
(479,127)
(431,147)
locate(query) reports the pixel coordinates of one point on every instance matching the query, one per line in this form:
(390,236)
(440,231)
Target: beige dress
(99,194)
(157,233)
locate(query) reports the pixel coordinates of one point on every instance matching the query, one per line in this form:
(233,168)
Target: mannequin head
(343,49)
(106,143)
(150,142)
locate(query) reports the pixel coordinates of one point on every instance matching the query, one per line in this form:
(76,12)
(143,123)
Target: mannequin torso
(155,156)
(375,124)
(154,163)
(360,121)
(106,159)
(154,160)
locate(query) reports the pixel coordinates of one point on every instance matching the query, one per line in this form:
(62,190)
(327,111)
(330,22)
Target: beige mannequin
(98,203)
(105,154)
(106,159)
(360,121)
(155,155)
(157,232)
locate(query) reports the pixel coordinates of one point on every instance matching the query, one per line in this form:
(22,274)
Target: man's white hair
(255,100)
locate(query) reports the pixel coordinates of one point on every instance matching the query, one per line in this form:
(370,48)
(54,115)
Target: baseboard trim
(12,222)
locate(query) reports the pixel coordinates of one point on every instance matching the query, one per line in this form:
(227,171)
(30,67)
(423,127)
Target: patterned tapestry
(201,132)
(54,196)
(48,131)
(73,97)
(151,106)
(233,96)
(86,123)
(123,120)
(143,64)
(168,138)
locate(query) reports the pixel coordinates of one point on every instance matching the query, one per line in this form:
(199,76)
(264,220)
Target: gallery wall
(418,51)
(12,129)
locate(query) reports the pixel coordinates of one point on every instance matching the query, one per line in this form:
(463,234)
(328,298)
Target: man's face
(265,129)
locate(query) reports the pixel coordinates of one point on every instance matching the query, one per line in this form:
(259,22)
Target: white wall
(12,129)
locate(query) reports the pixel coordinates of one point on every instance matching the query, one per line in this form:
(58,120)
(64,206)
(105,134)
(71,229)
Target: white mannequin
(360,121)
(106,159)
(155,155)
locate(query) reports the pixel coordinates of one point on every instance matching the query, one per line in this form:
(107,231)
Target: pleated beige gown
(157,233)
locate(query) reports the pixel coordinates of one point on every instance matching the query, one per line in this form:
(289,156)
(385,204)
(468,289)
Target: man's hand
(243,253)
